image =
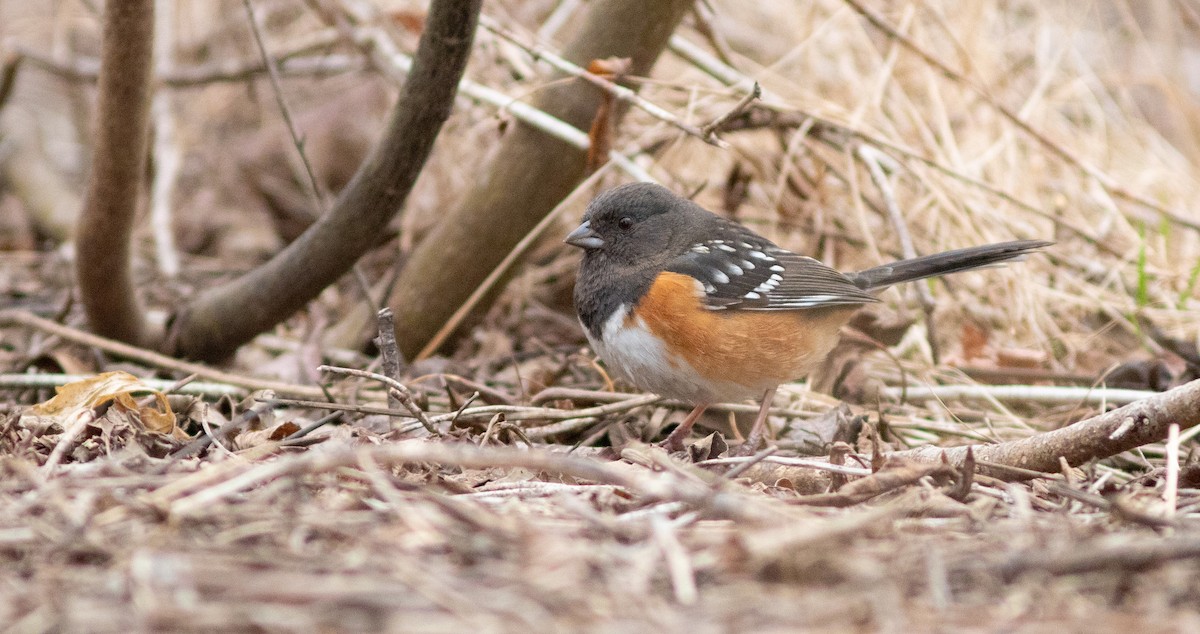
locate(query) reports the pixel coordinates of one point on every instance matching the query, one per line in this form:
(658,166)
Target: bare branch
(1108,434)
(333,244)
(105,227)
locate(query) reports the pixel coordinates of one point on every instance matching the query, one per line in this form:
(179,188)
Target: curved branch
(1108,434)
(222,319)
(105,226)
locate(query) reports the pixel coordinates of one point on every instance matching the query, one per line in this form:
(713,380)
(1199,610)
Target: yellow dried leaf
(104,388)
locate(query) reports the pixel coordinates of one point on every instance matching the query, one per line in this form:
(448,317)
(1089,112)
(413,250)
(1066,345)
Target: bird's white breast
(634,353)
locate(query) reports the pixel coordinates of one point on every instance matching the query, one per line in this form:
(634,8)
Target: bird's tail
(944,263)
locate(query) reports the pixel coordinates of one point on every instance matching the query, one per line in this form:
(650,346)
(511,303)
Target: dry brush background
(982,121)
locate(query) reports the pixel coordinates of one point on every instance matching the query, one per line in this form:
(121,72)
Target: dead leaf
(707,448)
(601,131)
(248,439)
(112,387)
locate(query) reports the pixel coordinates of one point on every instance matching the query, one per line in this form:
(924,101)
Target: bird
(681,302)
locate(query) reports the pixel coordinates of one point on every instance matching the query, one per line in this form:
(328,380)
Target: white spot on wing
(699,248)
(769,284)
(726,247)
(777,268)
(733,268)
(719,277)
(752,295)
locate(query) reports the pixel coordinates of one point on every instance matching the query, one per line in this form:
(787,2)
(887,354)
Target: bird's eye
(625,223)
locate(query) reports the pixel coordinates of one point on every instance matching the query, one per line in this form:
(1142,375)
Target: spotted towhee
(683,303)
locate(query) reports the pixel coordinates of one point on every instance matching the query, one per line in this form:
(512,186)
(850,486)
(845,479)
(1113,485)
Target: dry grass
(375,526)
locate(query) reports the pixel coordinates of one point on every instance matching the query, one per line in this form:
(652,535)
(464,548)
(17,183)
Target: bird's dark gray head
(637,223)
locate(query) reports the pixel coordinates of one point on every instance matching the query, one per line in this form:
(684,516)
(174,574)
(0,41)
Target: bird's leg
(760,425)
(674,442)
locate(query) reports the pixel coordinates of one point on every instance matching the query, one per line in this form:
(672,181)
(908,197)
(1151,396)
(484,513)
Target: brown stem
(208,329)
(1108,434)
(105,226)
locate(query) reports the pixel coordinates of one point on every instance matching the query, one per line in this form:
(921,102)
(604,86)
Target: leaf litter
(525,516)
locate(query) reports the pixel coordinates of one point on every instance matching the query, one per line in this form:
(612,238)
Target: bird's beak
(583,237)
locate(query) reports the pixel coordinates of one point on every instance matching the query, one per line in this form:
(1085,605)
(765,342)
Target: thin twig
(820,401)
(621,93)
(254,413)
(1171,486)
(787,461)
(1138,555)
(151,358)
(389,350)
(712,128)
(511,412)
(396,389)
(72,428)
(277,88)
(874,160)
(9,67)
(319,423)
(291,62)
(186,385)
(212,436)
(1020,393)
(462,408)
(1119,509)
(390,60)
(750,462)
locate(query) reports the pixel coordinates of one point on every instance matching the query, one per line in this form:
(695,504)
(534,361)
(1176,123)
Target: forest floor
(268,495)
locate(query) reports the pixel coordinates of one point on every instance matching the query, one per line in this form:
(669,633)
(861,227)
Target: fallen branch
(1136,556)
(1139,423)
(1048,394)
(154,359)
(878,483)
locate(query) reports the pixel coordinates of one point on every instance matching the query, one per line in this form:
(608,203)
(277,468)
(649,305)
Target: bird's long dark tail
(944,263)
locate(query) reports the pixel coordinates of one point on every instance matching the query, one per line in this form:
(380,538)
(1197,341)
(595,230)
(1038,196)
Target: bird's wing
(739,269)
